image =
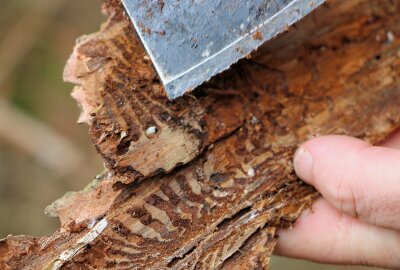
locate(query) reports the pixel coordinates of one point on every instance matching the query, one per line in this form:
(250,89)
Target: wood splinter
(205,181)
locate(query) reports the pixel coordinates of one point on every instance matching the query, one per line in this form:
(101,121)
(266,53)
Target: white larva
(151,130)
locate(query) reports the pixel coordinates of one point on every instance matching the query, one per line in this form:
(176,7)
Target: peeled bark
(210,188)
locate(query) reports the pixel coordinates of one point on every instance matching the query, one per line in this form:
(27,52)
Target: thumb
(353,176)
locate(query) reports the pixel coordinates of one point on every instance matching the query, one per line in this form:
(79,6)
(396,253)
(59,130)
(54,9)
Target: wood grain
(212,186)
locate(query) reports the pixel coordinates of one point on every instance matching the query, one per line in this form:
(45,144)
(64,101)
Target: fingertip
(316,154)
(332,144)
(349,173)
(303,164)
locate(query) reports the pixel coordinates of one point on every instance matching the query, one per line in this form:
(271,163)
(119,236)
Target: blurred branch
(24,33)
(48,147)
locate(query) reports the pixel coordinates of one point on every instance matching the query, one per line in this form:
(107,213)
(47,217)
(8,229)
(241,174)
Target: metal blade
(189,41)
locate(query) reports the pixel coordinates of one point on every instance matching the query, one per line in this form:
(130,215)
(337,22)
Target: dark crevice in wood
(176,260)
(229,220)
(244,244)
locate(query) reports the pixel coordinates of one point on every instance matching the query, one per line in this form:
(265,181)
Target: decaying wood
(211,184)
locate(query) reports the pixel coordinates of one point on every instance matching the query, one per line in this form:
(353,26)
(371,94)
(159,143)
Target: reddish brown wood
(210,188)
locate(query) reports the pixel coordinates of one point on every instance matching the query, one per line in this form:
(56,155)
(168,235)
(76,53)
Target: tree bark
(205,182)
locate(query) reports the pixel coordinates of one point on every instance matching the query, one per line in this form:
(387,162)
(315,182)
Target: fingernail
(303,164)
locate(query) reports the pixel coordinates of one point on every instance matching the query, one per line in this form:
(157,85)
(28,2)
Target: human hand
(357,220)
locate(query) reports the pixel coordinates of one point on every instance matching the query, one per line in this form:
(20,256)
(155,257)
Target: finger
(355,177)
(327,235)
(393,141)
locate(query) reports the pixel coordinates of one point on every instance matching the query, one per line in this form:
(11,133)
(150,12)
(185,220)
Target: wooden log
(211,184)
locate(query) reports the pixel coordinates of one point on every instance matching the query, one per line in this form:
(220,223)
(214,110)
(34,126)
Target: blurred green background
(43,152)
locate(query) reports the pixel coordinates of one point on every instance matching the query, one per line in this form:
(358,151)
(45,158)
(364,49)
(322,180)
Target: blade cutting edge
(189,41)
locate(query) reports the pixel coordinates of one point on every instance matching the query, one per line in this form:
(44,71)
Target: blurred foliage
(34,86)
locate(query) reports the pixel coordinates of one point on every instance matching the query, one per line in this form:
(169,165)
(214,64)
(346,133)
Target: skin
(357,219)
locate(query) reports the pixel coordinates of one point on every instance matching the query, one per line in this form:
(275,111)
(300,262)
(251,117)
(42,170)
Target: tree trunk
(205,182)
